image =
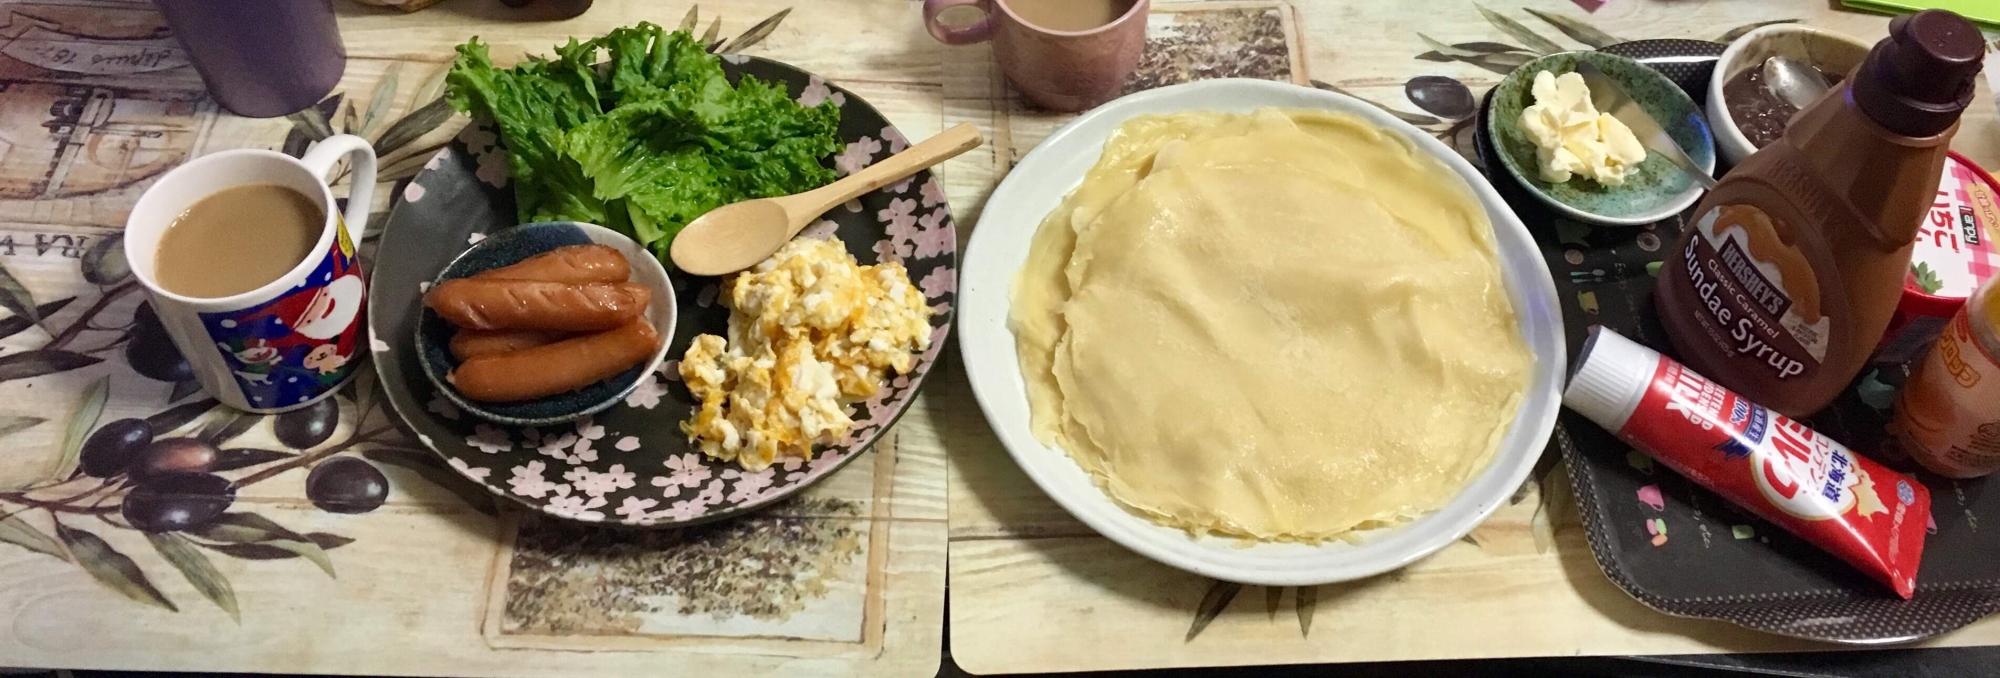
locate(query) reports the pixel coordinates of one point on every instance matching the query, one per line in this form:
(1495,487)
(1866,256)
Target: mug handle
(979,31)
(361,185)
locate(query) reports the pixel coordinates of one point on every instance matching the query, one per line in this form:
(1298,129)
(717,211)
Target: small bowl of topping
(1745,113)
(1584,162)
(543,323)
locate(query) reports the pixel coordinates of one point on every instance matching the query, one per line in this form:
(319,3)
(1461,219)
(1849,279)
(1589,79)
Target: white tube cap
(1612,373)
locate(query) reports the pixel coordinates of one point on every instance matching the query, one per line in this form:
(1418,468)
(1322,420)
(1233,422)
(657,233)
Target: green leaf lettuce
(645,139)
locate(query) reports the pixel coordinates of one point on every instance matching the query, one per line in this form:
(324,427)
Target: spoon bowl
(1794,82)
(732,237)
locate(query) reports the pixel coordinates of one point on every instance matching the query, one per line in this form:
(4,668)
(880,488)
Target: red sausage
(466,344)
(574,264)
(495,304)
(556,368)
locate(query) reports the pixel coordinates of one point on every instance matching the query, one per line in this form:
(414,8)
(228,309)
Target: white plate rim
(1037,183)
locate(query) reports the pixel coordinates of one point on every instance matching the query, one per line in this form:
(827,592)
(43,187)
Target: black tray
(1719,562)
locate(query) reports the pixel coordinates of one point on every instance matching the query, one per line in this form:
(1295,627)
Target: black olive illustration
(152,353)
(1440,96)
(308,426)
(112,447)
(175,455)
(177,501)
(346,485)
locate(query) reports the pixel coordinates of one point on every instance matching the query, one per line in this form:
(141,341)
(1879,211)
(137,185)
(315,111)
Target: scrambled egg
(810,330)
(1572,138)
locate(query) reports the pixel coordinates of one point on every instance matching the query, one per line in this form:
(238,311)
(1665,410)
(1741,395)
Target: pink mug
(1060,70)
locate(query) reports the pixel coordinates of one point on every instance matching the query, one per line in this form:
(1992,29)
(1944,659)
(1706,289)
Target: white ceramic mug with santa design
(295,340)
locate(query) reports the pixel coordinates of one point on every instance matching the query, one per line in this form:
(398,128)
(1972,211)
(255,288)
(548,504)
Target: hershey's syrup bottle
(1789,275)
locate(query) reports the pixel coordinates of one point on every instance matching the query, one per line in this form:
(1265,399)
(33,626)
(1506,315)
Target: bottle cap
(1918,80)
(1611,376)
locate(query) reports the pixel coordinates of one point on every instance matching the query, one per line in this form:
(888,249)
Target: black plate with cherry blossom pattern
(631,465)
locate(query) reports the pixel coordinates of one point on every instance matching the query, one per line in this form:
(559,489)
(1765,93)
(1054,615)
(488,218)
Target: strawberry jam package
(1777,468)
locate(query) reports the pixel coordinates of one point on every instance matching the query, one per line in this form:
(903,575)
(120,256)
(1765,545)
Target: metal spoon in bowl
(734,237)
(1793,82)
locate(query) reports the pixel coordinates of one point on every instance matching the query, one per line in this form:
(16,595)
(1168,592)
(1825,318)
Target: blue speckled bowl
(1657,189)
(510,246)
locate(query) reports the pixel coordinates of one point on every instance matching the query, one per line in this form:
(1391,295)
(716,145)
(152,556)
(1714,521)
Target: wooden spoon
(734,237)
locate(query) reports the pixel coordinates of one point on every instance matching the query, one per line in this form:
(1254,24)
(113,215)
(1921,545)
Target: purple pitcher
(261,58)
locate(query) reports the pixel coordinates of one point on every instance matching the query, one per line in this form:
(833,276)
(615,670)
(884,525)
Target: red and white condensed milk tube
(1779,469)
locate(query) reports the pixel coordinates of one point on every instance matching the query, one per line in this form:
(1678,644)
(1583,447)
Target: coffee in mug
(1070,15)
(237,240)
(1064,55)
(252,269)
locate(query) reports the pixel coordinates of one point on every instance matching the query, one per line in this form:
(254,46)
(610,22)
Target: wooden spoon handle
(945,146)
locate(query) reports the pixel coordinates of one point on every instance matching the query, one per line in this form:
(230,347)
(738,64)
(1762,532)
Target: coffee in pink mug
(1066,55)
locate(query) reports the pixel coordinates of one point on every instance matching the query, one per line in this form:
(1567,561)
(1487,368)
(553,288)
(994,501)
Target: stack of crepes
(1286,325)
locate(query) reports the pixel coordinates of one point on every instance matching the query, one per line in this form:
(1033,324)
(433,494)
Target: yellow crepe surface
(1286,325)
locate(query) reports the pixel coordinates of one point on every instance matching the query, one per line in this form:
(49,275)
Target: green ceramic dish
(1656,191)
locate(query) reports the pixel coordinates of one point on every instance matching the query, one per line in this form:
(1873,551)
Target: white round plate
(1037,185)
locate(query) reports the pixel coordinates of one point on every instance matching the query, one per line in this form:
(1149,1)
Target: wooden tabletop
(1034,590)
(442,581)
